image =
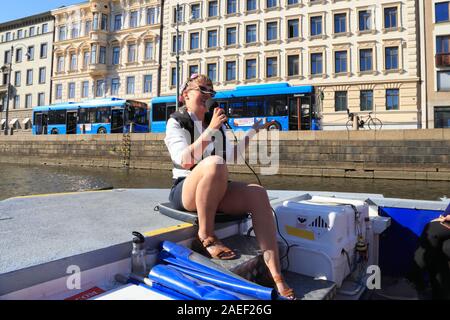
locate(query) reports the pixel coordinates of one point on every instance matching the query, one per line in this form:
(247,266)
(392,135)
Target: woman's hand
(218,119)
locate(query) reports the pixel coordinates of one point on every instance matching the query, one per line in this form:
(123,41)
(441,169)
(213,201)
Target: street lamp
(177,56)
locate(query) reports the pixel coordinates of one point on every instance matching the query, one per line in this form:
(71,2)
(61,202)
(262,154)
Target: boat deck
(41,235)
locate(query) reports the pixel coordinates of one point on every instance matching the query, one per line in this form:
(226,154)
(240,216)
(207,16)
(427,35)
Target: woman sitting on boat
(198,147)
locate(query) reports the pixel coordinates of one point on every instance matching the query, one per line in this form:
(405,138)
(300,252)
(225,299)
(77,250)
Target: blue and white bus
(98,116)
(289,106)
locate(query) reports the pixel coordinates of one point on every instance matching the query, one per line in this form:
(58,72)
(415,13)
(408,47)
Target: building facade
(26,56)
(358,55)
(436,65)
(107,49)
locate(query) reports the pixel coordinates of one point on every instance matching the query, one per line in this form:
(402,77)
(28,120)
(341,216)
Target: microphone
(210,105)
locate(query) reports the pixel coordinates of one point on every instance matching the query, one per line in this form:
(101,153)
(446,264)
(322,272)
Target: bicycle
(372,122)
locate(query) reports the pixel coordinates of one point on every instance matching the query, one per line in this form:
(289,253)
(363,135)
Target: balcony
(98,69)
(443,60)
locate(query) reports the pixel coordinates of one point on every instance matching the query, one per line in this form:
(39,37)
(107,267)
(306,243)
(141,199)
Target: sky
(15,9)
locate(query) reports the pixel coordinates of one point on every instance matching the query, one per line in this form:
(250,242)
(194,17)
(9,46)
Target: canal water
(20,180)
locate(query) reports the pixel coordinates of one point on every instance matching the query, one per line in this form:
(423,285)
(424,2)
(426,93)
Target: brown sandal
(219,252)
(286,293)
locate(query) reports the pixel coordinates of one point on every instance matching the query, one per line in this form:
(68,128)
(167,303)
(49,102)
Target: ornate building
(107,48)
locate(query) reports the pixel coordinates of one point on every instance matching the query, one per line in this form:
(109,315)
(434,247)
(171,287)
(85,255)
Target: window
(104,25)
(365,59)
(290,2)
(340,61)
(293,65)
(442,117)
(71,93)
(195,11)
(42,75)
(117,22)
(74,31)
(32,31)
(231,70)
(231,36)
(250,69)
(148,50)
(391,54)
(366,100)
(43,53)
(271,67)
(130,85)
(100,92)
(212,71)
(115,85)
(85,89)
(28,101)
(250,34)
(148,83)
(17,79)
(193,70)
(316,63)
(86,59)
(16,102)
(29,77)
(58,92)
(340,23)
(94,54)
(213,9)
(152,15)
(443,81)
(102,57)
(62,33)
(30,52)
(441,11)
(131,53)
(87,27)
(212,38)
(133,19)
(73,62)
(392,102)
(116,56)
(316,26)
(19,34)
(340,101)
(174,77)
(7,56)
(231,6)
(390,18)
(41,98)
(180,14)
(175,43)
(293,30)
(272,31)
(251,5)
(271,3)
(364,20)
(443,44)
(45,28)
(18,55)
(195,41)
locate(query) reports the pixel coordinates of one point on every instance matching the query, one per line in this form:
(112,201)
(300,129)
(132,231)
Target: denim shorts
(175,196)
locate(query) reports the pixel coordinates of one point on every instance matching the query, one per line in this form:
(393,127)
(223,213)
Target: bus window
(255,108)
(170,110)
(137,115)
(87,115)
(277,107)
(103,114)
(236,109)
(57,117)
(159,112)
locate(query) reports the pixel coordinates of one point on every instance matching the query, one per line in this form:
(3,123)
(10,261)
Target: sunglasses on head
(206,90)
(202,89)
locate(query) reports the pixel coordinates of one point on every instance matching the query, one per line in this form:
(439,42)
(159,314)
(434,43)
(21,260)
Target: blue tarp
(187,272)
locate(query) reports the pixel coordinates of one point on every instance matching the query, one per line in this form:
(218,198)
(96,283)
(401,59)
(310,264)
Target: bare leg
(241,197)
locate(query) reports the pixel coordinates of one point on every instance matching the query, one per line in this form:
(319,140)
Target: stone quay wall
(386,154)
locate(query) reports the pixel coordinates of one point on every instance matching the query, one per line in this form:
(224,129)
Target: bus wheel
(101,130)
(54,131)
(274,126)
